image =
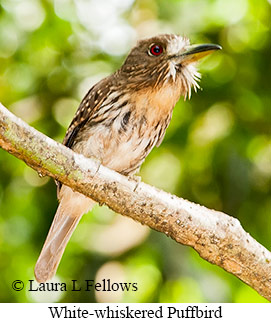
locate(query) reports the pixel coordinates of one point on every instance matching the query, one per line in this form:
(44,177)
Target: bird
(119,121)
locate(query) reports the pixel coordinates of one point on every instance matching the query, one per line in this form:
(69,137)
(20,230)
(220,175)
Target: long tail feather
(71,208)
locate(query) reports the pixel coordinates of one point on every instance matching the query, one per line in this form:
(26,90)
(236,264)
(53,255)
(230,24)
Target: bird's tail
(71,208)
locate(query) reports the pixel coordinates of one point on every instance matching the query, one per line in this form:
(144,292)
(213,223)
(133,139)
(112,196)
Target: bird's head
(165,58)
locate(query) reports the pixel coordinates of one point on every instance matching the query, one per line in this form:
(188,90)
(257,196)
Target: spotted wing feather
(88,107)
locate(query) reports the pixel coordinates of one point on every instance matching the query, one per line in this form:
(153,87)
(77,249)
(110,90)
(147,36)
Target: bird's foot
(135,178)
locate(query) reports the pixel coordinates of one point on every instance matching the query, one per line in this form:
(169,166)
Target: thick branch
(217,237)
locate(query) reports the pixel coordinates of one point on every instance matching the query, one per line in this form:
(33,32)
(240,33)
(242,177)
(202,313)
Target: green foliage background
(217,150)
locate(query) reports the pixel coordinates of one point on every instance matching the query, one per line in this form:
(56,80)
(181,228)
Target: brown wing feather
(88,106)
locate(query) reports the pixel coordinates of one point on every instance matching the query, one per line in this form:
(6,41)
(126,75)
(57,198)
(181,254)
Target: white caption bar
(166,312)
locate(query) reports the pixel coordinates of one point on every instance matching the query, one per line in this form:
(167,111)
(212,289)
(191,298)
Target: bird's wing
(87,108)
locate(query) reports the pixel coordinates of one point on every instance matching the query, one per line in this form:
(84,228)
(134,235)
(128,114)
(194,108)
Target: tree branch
(217,237)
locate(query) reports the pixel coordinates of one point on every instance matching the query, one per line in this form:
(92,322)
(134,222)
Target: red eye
(156,50)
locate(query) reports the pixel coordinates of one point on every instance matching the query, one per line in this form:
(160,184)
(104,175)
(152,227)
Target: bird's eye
(155,50)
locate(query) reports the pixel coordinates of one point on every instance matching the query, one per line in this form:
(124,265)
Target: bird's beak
(195,52)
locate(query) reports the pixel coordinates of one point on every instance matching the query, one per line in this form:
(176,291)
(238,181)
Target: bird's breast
(124,139)
(156,104)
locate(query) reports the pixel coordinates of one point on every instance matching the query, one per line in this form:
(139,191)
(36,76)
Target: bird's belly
(123,151)
(127,156)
